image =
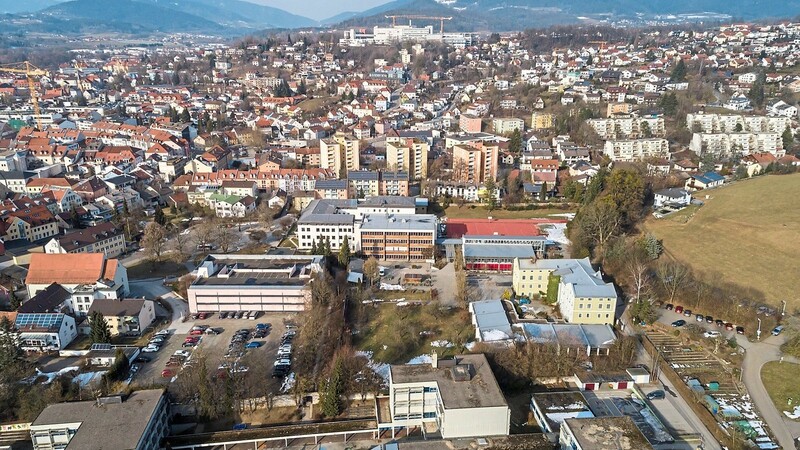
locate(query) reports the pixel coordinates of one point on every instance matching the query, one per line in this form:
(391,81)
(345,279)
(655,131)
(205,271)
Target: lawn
(780,379)
(481,212)
(395,334)
(146,269)
(746,233)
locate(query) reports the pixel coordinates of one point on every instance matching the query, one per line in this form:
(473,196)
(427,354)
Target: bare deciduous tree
(154,241)
(673,276)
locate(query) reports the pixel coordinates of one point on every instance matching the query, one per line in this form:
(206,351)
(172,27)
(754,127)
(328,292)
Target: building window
(580,305)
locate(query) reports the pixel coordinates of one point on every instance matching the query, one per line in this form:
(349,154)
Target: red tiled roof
(502,227)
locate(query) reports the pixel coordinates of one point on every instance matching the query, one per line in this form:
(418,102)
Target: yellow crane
(30,71)
(441,19)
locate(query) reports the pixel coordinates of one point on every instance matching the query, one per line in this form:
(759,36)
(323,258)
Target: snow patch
(421,359)
(83,379)
(381,369)
(494,335)
(445,344)
(53,375)
(795,414)
(556,232)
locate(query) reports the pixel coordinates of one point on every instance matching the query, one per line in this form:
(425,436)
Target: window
(580,315)
(580,305)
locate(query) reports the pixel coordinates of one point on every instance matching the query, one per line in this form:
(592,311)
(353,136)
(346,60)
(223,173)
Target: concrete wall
(241,298)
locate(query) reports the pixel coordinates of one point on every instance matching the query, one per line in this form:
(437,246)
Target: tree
(314,249)
(543,192)
(669,103)
(599,222)
(332,390)
(651,246)
(159,217)
(176,78)
(515,142)
(489,196)
(74,218)
(462,289)
(788,138)
(626,189)
(673,276)
(154,241)
(11,356)
(13,300)
(181,247)
(756,93)
(344,253)
(371,269)
(327,249)
(224,238)
(679,72)
(301,89)
(639,273)
(185,116)
(100,333)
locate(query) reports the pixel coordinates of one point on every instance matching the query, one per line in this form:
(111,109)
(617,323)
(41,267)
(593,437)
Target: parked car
(739,330)
(167,373)
(183,353)
(655,395)
(173,363)
(162,333)
(700,318)
(720,322)
(729,326)
(687,312)
(777,330)
(712,334)
(214,331)
(196,332)
(142,359)
(223,315)
(254,344)
(679,323)
(262,326)
(679,309)
(151,349)
(669,306)
(283,362)
(709,319)
(240,426)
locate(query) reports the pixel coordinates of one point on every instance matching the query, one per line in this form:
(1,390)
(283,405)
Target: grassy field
(480,212)
(146,269)
(780,379)
(395,334)
(746,233)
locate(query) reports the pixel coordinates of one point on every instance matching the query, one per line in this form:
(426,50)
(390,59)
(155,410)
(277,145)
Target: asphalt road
(756,355)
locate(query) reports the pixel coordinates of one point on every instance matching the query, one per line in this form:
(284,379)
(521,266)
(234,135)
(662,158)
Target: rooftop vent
(462,372)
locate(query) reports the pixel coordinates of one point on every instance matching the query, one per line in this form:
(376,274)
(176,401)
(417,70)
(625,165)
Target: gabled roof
(46,301)
(83,268)
(110,307)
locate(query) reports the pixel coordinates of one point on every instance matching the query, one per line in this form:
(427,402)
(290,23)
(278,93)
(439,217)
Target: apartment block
(402,237)
(542,121)
(726,144)
(408,155)
(475,164)
(339,154)
(628,127)
(636,149)
(736,123)
(506,125)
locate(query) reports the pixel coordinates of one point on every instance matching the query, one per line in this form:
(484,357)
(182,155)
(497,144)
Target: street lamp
(783,308)
(758,331)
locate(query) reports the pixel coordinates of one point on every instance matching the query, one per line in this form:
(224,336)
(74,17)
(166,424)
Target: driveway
(154,287)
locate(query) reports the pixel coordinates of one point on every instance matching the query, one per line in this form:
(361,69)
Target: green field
(481,212)
(746,233)
(780,379)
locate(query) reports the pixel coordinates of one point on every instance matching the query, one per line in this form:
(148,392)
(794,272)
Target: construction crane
(30,71)
(413,16)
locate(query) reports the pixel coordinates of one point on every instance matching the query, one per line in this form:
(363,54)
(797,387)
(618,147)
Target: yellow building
(475,164)
(542,121)
(408,155)
(583,297)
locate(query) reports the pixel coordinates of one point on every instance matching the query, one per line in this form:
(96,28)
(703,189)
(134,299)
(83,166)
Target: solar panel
(39,320)
(101,346)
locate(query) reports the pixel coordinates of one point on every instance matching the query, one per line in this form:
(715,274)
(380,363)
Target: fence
(705,416)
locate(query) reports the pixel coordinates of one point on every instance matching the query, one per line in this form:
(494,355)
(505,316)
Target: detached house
(103,238)
(125,317)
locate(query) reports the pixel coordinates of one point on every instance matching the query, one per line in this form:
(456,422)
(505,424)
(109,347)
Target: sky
(321,9)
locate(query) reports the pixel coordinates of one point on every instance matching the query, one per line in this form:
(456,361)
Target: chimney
(435,360)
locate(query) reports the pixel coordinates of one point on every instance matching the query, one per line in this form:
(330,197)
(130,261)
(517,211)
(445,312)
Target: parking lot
(214,347)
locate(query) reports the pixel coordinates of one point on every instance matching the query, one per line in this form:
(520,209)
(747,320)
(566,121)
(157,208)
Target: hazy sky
(321,9)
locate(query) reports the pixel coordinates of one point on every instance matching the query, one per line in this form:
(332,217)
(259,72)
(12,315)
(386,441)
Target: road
(756,355)
(152,288)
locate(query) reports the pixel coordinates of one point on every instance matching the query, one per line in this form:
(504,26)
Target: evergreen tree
(679,72)
(159,217)
(491,200)
(14,300)
(185,116)
(74,218)
(788,138)
(314,249)
(344,253)
(515,142)
(543,192)
(12,360)
(176,79)
(99,328)
(331,396)
(327,250)
(302,89)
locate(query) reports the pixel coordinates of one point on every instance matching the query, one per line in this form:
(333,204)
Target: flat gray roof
(618,433)
(480,391)
(389,201)
(105,426)
(406,222)
(571,334)
(490,315)
(326,212)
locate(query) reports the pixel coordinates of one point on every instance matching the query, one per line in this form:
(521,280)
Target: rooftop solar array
(39,320)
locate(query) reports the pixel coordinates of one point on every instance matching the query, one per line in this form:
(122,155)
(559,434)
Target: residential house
(675,197)
(128,316)
(103,238)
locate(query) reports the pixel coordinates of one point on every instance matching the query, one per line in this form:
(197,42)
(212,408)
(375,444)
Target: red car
(194,339)
(167,373)
(196,332)
(202,316)
(679,309)
(729,326)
